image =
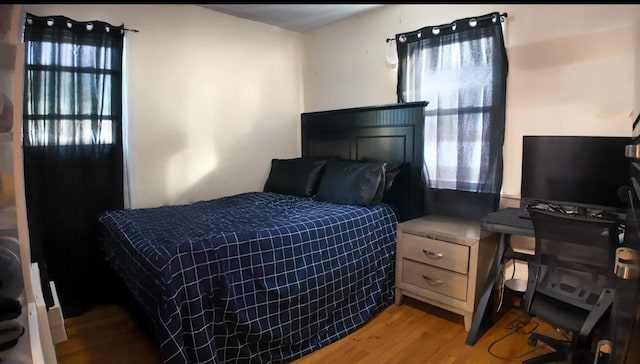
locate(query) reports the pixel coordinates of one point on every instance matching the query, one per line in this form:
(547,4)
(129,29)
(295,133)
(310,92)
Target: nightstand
(444,261)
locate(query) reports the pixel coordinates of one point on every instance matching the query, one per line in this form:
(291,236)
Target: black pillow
(392,169)
(352,183)
(297,176)
(391,172)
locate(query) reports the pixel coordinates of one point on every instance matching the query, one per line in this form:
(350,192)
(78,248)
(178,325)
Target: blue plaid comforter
(254,278)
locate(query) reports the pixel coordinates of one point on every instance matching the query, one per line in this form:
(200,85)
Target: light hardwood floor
(413,332)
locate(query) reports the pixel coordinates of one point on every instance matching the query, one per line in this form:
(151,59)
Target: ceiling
(299,18)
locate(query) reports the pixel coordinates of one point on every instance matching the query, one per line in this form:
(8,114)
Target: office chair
(571,281)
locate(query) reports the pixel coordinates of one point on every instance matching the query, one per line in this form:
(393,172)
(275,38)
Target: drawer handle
(432,255)
(431,281)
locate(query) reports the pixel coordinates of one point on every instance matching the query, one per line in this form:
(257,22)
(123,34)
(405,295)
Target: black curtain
(72,146)
(461,70)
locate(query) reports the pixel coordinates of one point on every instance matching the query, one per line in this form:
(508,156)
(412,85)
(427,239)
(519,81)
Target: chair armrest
(605,301)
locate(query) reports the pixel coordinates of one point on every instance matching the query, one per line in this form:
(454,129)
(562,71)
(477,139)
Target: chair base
(563,350)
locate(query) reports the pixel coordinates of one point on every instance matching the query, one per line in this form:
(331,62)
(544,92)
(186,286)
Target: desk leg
(482,309)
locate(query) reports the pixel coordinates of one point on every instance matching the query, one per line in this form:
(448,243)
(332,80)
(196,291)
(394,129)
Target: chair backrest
(573,258)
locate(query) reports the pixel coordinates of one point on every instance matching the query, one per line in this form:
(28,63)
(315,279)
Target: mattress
(256,277)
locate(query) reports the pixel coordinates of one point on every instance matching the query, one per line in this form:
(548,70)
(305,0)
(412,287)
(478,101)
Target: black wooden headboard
(391,133)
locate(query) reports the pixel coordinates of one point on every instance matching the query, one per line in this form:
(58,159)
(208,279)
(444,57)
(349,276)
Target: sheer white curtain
(458,88)
(128,171)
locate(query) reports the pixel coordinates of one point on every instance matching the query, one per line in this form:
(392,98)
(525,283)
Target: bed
(268,277)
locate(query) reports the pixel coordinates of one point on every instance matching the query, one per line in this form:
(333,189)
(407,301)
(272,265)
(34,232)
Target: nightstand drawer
(441,254)
(435,279)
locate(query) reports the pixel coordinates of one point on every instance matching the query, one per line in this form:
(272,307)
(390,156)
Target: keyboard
(581,216)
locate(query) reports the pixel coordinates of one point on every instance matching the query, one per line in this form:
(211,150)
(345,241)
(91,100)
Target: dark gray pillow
(352,183)
(392,169)
(296,177)
(391,172)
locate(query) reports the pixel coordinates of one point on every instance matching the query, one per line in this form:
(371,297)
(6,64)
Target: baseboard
(56,319)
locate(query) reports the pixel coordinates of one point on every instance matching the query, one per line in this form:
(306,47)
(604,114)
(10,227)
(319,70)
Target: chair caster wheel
(532,341)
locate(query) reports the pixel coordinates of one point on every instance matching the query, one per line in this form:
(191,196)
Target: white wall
(571,67)
(212,98)
(636,99)
(199,135)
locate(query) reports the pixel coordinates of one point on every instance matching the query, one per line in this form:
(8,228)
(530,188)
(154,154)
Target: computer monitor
(578,171)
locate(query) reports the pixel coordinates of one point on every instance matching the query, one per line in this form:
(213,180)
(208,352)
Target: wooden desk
(505,222)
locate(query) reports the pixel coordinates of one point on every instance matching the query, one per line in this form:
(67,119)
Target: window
(72,84)
(460,69)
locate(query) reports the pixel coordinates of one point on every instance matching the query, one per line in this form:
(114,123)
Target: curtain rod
(88,23)
(502,16)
